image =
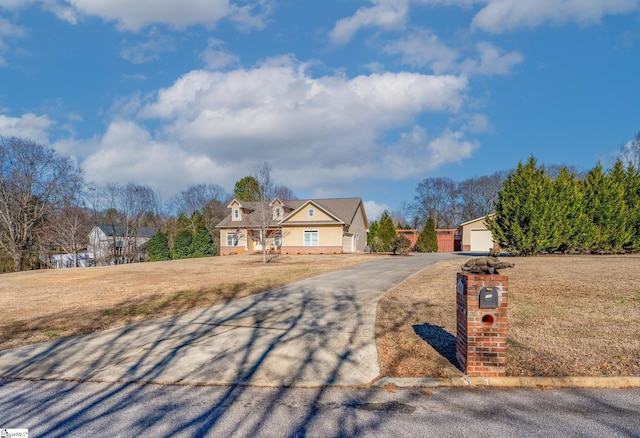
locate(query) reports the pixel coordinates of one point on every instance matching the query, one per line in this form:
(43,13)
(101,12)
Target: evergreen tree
(183,245)
(632,194)
(522,224)
(247,189)
(158,247)
(372,233)
(607,209)
(386,231)
(428,238)
(203,245)
(568,217)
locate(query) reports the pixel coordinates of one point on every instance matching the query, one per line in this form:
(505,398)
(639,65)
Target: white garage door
(481,240)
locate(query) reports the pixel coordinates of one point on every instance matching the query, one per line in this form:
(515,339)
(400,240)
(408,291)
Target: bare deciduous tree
(202,202)
(436,198)
(126,208)
(477,196)
(630,152)
(68,230)
(262,217)
(34,181)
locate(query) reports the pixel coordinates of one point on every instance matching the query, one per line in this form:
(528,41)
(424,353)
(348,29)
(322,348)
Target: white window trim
(230,240)
(309,242)
(236,214)
(311,212)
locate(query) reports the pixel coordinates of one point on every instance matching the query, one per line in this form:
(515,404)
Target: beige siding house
(312,226)
(476,237)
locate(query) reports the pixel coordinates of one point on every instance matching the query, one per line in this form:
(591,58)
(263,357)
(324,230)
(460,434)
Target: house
(475,236)
(114,244)
(312,226)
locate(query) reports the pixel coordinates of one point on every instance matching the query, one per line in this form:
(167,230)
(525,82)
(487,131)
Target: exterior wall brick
(481,339)
(312,250)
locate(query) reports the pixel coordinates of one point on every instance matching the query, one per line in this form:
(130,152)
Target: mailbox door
(488,298)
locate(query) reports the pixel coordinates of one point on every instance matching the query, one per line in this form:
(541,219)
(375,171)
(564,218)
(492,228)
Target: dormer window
(236,214)
(277,213)
(310,212)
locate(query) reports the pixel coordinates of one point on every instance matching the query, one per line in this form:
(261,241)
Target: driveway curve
(315,332)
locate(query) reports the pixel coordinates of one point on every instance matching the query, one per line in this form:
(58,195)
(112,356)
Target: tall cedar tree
(203,245)
(632,192)
(608,209)
(386,231)
(428,238)
(570,220)
(182,245)
(373,232)
(523,213)
(158,247)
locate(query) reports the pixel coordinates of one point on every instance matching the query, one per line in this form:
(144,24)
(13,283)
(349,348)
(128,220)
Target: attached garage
(475,236)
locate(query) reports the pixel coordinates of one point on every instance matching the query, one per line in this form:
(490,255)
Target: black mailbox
(488,298)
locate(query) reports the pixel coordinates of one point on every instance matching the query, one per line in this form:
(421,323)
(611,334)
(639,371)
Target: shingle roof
(118,230)
(343,209)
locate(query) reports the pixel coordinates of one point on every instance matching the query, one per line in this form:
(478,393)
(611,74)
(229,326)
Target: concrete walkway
(315,332)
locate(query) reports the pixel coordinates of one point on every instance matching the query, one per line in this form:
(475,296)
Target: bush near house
(401,245)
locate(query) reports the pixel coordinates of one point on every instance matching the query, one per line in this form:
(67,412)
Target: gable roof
(344,210)
(119,231)
(477,219)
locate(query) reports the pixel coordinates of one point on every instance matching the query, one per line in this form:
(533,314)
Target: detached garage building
(475,236)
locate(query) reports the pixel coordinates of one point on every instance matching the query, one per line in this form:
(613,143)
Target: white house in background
(476,237)
(58,261)
(113,244)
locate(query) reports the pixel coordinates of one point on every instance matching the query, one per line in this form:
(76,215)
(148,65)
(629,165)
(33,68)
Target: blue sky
(342,97)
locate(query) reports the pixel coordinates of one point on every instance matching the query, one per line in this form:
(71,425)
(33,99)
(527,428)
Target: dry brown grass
(569,316)
(43,305)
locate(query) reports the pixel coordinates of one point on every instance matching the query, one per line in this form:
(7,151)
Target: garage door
(481,240)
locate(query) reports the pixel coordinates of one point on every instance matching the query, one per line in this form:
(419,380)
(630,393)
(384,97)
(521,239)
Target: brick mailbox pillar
(481,340)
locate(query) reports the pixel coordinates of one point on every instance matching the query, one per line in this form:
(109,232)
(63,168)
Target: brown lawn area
(47,304)
(569,315)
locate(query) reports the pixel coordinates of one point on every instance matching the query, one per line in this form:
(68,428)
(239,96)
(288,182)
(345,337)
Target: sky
(342,98)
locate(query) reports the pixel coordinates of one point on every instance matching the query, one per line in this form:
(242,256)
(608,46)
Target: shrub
(158,247)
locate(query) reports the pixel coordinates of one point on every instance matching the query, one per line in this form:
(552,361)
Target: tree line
(598,213)
(47,208)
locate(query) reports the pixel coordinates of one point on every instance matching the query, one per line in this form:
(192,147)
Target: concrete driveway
(315,332)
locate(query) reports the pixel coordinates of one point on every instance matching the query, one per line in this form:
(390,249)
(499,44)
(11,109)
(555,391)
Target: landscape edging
(513,382)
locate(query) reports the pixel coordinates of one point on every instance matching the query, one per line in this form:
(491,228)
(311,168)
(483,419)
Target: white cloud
(135,15)
(415,153)
(491,61)
(276,108)
(149,50)
(387,14)
(127,152)
(8,30)
(215,57)
(506,15)
(374,210)
(29,125)
(477,123)
(320,133)
(422,47)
